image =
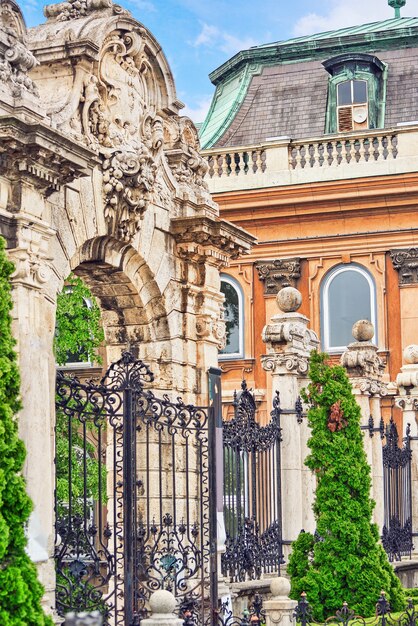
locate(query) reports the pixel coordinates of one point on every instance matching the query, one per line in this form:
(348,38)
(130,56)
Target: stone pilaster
(365,370)
(289,343)
(407,401)
(405,263)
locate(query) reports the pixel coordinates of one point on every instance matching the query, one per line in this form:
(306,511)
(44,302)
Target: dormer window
(353,105)
(356,93)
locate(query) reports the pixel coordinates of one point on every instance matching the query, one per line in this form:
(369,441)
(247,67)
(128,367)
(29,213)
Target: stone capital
(364,367)
(406,263)
(277,274)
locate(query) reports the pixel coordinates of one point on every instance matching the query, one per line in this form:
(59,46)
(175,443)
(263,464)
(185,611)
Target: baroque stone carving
(209,326)
(15,58)
(406,263)
(365,367)
(73,9)
(120,123)
(278,274)
(182,150)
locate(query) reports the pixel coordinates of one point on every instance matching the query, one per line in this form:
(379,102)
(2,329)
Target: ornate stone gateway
(133,497)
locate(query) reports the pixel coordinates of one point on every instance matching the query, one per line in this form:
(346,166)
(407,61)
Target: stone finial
(162,602)
(362,362)
(280,587)
(410,355)
(407,379)
(363,330)
(289,300)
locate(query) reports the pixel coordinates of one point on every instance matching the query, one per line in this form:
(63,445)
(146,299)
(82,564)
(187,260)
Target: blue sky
(199,35)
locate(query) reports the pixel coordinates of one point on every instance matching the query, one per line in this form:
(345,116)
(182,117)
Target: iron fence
(303,614)
(253,489)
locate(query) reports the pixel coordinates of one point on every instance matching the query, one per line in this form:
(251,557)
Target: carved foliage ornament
(406,263)
(278,274)
(119,120)
(15,58)
(73,9)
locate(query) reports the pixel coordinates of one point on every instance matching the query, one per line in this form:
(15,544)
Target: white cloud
(213,37)
(198,112)
(340,13)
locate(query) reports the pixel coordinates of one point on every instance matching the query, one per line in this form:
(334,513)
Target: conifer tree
(344,561)
(20,590)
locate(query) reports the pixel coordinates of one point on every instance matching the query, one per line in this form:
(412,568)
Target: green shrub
(20,590)
(344,562)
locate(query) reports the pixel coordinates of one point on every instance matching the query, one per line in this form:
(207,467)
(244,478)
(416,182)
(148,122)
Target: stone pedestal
(279,609)
(84,619)
(365,370)
(289,343)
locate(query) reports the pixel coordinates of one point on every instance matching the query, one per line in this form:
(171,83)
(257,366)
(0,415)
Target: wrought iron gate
(397,529)
(252,490)
(133,496)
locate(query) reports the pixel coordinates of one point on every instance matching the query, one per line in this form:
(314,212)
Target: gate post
(365,369)
(289,343)
(407,400)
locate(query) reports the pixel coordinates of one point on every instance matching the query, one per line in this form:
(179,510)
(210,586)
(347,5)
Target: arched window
(348,294)
(234,318)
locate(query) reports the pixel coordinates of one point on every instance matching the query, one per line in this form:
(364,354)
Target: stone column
(365,370)
(407,400)
(280,608)
(289,343)
(162,605)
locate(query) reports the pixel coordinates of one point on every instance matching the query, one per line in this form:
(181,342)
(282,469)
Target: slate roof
(280,89)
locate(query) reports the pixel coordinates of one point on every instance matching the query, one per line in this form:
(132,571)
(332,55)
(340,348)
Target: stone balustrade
(337,151)
(283,162)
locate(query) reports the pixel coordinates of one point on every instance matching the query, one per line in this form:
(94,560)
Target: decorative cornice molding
(406,263)
(278,273)
(207,237)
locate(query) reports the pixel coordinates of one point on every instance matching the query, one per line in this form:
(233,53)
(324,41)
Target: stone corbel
(278,274)
(406,264)
(207,240)
(32,152)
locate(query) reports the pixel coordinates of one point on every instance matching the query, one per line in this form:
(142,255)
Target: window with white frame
(234,318)
(348,294)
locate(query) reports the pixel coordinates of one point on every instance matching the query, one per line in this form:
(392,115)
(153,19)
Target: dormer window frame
(361,67)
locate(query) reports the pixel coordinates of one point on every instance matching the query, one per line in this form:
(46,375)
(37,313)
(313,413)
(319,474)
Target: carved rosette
(406,263)
(278,274)
(15,58)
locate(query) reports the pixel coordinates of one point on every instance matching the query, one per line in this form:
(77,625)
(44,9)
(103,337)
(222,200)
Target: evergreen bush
(20,590)
(344,561)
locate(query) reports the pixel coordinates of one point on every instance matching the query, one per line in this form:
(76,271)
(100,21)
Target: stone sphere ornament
(280,587)
(410,355)
(289,299)
(363,330)
(162,602)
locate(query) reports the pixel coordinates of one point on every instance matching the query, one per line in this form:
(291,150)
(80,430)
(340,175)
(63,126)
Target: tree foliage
(20,590)
(344,561)
(78,330)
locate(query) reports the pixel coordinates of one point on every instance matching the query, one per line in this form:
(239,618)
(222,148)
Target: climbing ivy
(344,561)
(20,590)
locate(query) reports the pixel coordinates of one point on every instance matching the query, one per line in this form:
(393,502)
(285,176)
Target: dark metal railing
(303,614)
(397,485)
(253,489)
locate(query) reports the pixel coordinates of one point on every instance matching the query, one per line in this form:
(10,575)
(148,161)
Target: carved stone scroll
(406,263)
(278,274)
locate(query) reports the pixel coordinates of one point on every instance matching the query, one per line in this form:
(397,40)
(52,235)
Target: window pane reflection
(349,300)
(232,319)
(360,91)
